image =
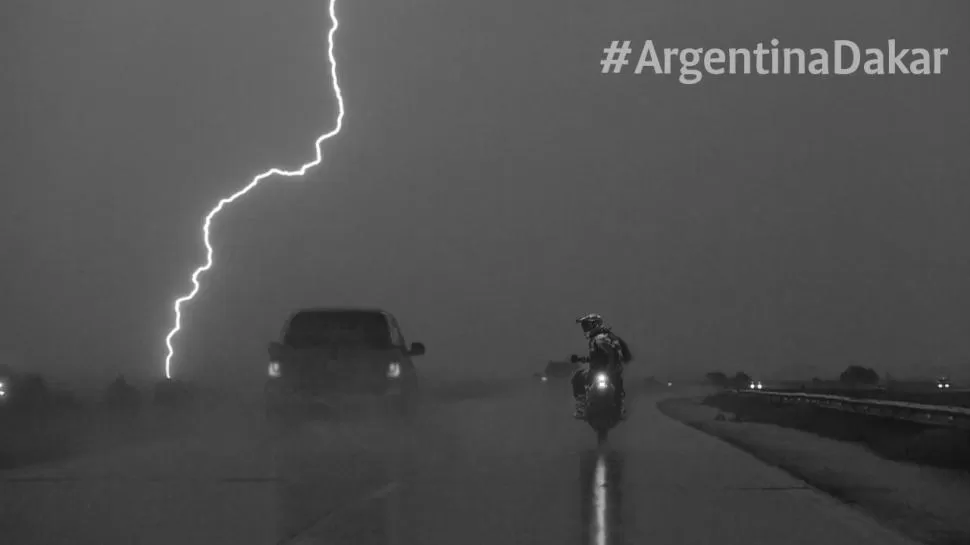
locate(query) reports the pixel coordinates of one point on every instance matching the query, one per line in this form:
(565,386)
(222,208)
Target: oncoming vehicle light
(393,369)
(274,369)
(602,381)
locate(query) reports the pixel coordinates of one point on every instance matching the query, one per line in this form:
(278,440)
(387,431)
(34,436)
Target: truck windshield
(319,329)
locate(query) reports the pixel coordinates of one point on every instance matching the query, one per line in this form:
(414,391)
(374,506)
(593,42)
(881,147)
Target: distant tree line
(721,380)
(853,375)
(856,374)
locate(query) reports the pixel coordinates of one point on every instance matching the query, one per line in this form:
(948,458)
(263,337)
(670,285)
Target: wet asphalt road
(508,469)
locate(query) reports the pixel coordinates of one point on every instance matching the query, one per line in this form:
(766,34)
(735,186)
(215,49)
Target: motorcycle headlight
(602,381)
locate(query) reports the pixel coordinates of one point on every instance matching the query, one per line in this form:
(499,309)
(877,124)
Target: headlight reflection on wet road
(602,476)
(599,502)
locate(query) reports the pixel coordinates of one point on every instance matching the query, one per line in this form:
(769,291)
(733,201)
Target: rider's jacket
(605,349)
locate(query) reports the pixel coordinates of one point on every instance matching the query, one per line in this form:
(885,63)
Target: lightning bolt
(255,181)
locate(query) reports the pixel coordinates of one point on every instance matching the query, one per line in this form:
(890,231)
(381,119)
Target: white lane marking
(311,535)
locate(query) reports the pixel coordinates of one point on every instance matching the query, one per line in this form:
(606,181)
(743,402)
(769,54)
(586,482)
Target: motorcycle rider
(607,351)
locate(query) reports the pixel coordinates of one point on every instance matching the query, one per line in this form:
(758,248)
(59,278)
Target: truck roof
(375,310)
(343,308)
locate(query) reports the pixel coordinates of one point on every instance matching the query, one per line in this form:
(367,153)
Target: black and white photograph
(444,272)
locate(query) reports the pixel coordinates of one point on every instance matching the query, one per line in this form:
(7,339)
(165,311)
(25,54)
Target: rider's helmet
(590,323)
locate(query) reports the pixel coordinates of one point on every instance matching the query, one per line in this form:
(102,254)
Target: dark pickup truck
(327,355)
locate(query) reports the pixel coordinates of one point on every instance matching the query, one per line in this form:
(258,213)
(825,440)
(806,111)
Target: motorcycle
(602,408)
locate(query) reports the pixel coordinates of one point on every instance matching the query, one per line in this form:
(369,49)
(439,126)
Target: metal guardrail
(929,415)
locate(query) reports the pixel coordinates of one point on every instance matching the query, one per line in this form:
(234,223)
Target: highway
(509,469)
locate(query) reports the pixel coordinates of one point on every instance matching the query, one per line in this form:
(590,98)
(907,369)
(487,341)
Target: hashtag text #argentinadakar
(846,58)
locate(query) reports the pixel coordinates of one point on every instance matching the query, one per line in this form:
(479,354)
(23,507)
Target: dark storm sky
(489,186)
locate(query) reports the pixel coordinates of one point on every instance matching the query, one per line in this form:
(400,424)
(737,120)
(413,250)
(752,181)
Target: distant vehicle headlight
(393,369)
(752,386)
(760,386)
(544,379)
(274,369)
